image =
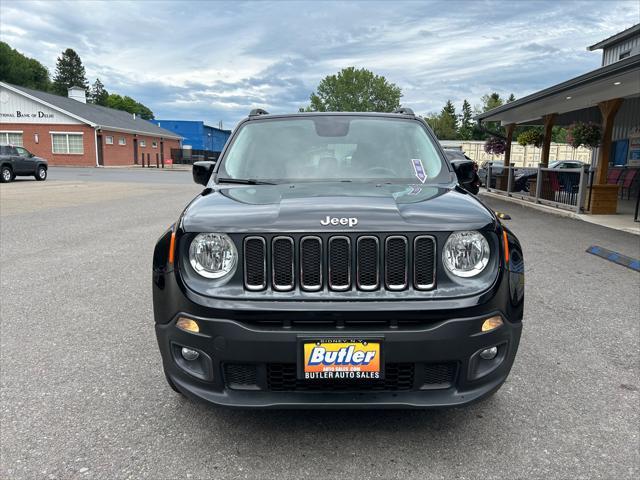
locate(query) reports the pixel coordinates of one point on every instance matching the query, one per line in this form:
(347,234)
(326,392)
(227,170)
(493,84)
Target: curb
(593,219)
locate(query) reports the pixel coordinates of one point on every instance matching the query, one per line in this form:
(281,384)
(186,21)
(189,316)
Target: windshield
(330,148)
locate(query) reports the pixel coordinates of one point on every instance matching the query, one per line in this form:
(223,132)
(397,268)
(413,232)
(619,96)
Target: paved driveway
(83,395)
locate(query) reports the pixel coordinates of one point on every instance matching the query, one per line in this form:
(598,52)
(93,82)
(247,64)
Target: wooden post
(502,180)
(608,109)
(604,198)
(507,151)
(546,145)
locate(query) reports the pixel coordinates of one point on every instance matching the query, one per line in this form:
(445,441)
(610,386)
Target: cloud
(215,61)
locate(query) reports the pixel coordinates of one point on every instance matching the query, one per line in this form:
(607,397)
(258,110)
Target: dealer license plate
(339,359)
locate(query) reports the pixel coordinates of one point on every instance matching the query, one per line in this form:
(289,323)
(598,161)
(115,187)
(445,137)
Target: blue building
(196,134)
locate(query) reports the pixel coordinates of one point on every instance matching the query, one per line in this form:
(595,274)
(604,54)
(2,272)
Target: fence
(528,156)
(561,188)
(188,155)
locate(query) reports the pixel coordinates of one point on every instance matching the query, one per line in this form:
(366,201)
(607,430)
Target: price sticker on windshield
(421,174)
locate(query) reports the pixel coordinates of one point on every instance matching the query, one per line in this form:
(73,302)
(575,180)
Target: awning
(617,80)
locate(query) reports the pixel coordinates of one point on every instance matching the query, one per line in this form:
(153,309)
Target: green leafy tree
(128,104)
(444,124)
(99,94)
(465,132)
(21,70)
(355,90)
(491,101)
(512,98)
(69,72)
(559,134)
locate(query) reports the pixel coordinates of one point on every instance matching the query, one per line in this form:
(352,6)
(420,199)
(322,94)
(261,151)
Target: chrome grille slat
(311,263)
(282,264)
(255,263)
(424,257)
(368,263)
(396,256)
(340,263)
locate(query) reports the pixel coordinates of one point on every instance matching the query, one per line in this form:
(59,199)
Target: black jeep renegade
(333,260)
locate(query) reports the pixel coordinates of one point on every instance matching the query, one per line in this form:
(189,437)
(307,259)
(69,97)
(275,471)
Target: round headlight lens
(466,254)
(213,255)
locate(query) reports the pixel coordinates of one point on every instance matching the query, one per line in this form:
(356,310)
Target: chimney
(77,93)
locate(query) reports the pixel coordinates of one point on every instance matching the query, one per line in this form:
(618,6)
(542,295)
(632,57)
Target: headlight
(213,255)
(466,254)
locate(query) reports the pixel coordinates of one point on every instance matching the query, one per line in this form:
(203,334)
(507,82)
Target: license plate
(338,359)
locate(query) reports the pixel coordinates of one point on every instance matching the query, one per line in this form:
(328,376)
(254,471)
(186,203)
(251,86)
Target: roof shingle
(103,117)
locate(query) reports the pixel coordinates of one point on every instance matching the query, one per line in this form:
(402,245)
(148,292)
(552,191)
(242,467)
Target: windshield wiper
(243,181)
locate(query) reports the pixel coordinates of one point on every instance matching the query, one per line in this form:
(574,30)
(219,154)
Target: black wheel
(41,174)
(6,174)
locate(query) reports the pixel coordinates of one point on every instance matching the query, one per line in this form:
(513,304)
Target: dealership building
(70,131)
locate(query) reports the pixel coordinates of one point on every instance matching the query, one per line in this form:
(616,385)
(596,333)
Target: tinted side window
(22,152)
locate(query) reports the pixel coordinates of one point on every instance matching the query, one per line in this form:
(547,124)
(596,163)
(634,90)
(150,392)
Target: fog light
(491,324)
(486,354)
(187,325)
(190,355)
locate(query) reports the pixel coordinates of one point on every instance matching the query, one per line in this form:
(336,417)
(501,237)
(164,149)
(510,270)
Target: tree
(444,124)
(69,72)
(512,98)
(491,101)
(99,94)
(21,70)
(465,132)
(355,90)
(128,104)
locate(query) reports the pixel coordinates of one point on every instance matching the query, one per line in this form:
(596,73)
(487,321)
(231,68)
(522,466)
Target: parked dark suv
(333,260)
(16,161)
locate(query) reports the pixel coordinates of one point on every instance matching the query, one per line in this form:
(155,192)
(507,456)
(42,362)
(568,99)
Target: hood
(301,207)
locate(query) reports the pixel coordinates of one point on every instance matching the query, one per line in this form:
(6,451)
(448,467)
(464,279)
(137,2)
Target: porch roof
(573,98)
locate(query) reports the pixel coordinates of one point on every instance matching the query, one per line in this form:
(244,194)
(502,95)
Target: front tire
(41,174)
(6,175)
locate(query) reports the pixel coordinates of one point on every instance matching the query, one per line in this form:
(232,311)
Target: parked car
(332,260)
(463,163)
(18,161)
(496,169)
(523,177)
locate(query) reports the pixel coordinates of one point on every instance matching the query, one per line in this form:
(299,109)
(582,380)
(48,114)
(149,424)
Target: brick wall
(117,154)
(113,155)
(44,148)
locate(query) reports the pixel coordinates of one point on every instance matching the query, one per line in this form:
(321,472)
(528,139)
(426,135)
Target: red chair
(614,176)
(627,182)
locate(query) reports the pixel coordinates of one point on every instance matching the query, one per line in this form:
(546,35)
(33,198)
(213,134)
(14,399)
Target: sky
(214,61)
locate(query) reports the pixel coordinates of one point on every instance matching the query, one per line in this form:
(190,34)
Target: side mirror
(202,171)
(464,171)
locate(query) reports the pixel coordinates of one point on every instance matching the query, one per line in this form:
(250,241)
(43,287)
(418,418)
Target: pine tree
(99,94)
(448,122)
(511,98)
(465,132)
(69,73)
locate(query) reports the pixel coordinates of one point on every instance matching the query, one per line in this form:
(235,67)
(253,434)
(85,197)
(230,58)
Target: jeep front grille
(339,263)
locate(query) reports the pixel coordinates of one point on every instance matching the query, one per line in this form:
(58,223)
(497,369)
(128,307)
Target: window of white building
(8,137)
(70,143)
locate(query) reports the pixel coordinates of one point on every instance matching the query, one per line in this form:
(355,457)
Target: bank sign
(19,114)
(15,108)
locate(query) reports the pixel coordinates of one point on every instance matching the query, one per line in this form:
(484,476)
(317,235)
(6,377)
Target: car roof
(267,116)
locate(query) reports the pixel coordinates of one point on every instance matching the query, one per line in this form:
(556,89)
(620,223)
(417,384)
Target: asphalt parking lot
(83,394)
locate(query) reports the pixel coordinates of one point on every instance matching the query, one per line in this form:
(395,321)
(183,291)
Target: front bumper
(454,342)
(433,339)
